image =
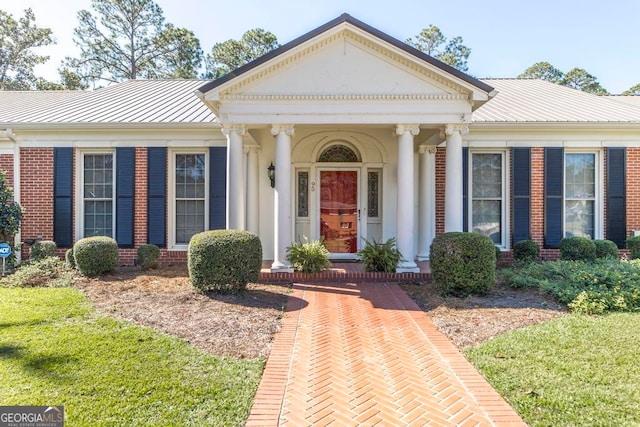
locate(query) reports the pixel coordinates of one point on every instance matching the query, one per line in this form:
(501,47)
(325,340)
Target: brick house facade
(369,138)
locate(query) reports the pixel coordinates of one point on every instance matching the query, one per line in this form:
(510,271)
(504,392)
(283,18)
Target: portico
(349,88)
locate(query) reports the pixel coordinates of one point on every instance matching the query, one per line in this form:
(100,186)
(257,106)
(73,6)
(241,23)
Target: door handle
(358,214)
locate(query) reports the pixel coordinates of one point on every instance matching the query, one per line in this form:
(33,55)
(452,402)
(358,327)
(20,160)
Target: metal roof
(627,99)
(539,101)
(131,102)
(175,102)
(345,17)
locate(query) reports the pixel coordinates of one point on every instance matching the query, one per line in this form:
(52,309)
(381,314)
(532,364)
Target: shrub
(606,249)
(577,249)
(50,271)
(224,260)
(526,251)
(308,257)
(95,255)
(148,256)
(380,257)
(593,287)
(463,263)
(41,250)
(69,259)
(633,244)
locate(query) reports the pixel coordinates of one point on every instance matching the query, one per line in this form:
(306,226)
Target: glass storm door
(339,210)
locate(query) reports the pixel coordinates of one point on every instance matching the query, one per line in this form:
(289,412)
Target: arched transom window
(338,154)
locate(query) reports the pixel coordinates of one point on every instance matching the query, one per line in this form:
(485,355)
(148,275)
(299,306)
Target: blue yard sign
(5,250)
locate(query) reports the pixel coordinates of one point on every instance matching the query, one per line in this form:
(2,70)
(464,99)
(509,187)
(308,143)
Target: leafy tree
(17,60)
(129,39)
(633,91)
(231,54)
(543,70)
(576,78)
(10,211)
(432,42)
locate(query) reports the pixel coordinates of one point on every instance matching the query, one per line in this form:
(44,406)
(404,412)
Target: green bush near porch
(308,257)
(224,260)
(95,255)
(463,263)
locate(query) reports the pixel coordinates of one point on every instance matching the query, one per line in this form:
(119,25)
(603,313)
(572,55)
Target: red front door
(339,210)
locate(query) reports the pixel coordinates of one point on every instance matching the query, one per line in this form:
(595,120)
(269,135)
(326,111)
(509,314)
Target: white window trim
(505,238)
(598,223)
(171,193)
(79,192)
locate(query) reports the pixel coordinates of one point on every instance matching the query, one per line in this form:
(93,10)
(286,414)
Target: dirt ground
(243,325)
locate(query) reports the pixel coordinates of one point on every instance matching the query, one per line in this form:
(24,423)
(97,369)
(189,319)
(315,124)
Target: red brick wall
(36,187)
(633,190)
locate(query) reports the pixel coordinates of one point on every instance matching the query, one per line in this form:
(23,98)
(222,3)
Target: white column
(253,185)
(282,202)
(427,199)
(235,177)
(453,179)
(405,206)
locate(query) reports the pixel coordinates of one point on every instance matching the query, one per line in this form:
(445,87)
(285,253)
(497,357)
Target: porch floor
(344,272)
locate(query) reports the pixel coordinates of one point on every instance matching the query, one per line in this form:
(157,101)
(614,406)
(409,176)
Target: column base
(278,267)
(422,257)
(407,267)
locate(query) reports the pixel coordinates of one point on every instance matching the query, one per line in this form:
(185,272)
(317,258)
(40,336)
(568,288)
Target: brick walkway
(365,354)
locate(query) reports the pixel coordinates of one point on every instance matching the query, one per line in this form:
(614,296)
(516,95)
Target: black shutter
(616,196)
(465,189)
(157,196)
(521,173)
(63,197)
(125,169)
(217,188)
(553,196)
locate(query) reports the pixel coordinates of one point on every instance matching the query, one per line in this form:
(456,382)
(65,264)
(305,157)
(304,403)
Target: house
(344,134)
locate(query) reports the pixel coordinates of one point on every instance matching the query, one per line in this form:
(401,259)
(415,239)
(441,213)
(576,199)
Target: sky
(505,37)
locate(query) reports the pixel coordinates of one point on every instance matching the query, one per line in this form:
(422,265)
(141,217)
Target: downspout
(16,187)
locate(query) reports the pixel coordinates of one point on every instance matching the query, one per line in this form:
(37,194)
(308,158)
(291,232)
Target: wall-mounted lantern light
(271,172)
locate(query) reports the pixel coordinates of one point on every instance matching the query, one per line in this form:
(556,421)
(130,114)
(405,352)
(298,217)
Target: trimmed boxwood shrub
(95,255)
(148,256)
(42,249)
(526,251)
(224,260)
(68,257)
(577,249)
(633,244)
(606,249)
(463,263)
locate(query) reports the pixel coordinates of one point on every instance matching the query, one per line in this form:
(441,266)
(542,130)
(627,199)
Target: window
(98,194)
(373,194)
(488,189)
(190,213)
(303,194)
(580,172)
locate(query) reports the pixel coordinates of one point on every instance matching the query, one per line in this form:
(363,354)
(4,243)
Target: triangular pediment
(345,62)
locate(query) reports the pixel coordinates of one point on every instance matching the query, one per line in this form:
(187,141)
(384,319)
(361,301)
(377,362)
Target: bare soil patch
(240,326)
(473,320)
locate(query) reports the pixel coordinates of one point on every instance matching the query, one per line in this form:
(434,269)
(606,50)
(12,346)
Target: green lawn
(572,371)
(56,350)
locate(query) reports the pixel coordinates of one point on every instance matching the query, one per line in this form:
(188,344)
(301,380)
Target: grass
(574,370)
(55,350)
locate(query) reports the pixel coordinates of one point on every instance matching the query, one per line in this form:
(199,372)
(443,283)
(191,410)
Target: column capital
(403,128)
(431,149)
(251,148)
(238,129)
(288,129)
(450,129)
